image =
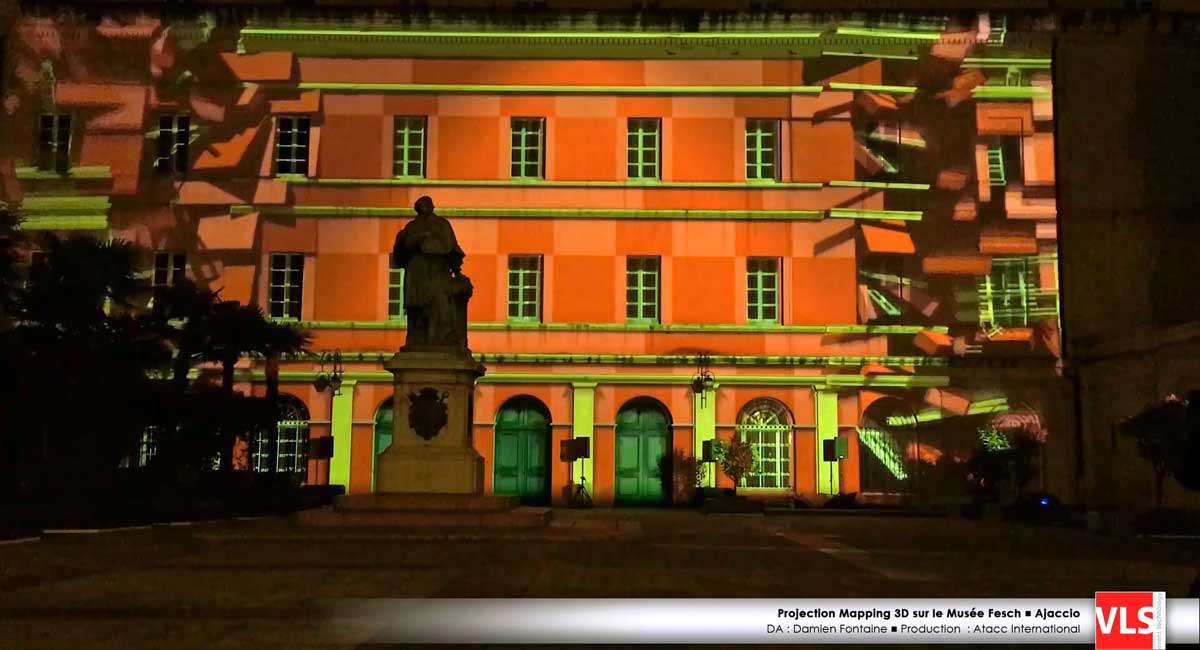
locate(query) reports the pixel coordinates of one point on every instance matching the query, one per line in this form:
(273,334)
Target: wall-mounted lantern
(333,379)
(704,382)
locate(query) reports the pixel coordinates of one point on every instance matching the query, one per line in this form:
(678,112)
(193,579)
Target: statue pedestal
(431,448)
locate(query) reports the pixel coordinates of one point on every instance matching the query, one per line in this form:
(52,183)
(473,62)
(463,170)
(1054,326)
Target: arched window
(767,426)
(291,445)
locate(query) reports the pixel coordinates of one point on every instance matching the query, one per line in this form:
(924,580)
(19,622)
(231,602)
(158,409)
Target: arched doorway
(883,459)
(383,426)
(766,425)
(291,443)
(521,458)
(642,439)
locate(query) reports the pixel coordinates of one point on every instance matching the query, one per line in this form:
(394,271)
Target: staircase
(409,511)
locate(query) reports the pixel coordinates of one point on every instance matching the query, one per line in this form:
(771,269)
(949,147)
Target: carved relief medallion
(427,412)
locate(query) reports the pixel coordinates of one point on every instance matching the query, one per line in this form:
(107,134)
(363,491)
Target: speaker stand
(581,498)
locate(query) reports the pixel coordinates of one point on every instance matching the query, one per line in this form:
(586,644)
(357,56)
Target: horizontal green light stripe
(823,381)
(845,213)
(872,55)
(533,213)
(64,205)
(522,89)
(1010,92)
(533,44)
(77,222)
(80,173)
(663,359)
(879,88)
(985,62)
(544,36)
(578,213)
(926,415)
(628,327)
(997,405)
(880,185)
(307,180)
(712,360)
(888,34)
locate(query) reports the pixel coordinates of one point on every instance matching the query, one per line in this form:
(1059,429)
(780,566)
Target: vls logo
(1131,620)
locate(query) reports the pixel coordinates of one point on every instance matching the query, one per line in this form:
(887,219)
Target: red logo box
(1131,620)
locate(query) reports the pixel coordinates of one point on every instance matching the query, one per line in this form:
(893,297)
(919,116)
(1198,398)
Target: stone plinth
(431,385)
(416,510)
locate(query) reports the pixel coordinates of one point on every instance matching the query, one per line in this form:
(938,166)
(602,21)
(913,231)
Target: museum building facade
(834,238)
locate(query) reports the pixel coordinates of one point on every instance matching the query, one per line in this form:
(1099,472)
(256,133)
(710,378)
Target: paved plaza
(250,583)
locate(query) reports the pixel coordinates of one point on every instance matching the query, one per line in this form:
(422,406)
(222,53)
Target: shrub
(736,457)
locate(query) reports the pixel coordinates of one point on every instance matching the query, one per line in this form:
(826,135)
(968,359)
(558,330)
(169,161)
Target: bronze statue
(435,289)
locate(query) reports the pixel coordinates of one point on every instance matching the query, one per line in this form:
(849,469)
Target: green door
(383,433)
(641,442)
(521,463)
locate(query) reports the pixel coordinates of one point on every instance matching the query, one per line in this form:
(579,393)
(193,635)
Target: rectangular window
(174,132)
(54,142)
(528,136)
(641,289)
(291,144)
(149,445)
(291,448)
(408,160)
(642,145)
(395,296)
(525,288)
(762,150)
(762,290)
(169,269)
(285,285)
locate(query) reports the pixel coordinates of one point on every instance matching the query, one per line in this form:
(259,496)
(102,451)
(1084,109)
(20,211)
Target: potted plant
(737,458)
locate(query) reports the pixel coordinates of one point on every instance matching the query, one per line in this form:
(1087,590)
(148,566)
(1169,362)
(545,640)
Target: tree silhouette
(1160,434)
(81,359)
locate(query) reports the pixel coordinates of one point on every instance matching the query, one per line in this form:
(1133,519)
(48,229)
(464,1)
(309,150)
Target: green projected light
(996,405)
(899,34)
(883,303)
(884,448)
(1010,296)
(995,166)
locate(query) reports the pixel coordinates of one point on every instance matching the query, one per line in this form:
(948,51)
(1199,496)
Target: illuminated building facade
(847,225)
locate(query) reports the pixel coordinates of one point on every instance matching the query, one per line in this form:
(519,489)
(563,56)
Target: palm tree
(78,335)
(276,339)
(233,331)
(82,279)
(185,311)
(10,242)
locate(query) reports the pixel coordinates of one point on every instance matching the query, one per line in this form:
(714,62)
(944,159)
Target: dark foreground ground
(252,583)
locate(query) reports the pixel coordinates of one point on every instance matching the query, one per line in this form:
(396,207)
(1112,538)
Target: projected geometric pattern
(823,210)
